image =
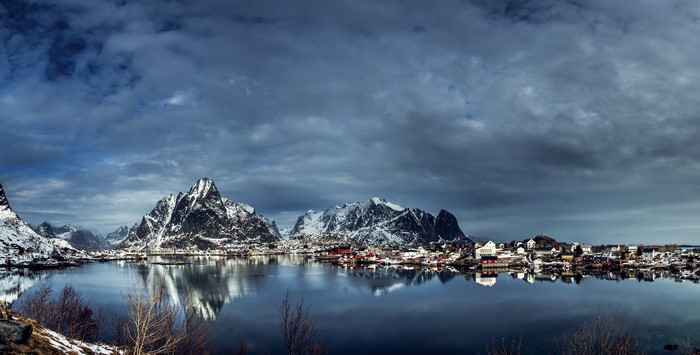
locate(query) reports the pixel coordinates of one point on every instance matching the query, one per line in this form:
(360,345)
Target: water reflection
(209,282)
(212,282)
(381,281)
(14,282)
(241,295)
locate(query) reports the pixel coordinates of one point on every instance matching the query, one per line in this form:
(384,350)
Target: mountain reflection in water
(212,282)
(436,305)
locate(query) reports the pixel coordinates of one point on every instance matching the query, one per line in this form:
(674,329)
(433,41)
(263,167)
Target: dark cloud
(576,119)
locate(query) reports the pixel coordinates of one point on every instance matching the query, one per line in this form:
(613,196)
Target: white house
(632,249)
(649,253)
(520,251)
(488,249)
(530,244)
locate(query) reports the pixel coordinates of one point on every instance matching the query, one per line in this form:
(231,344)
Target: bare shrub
(684,346)
(38,306)
(154,326)
(502,348)
(609,335)
(298,328)
(68,314)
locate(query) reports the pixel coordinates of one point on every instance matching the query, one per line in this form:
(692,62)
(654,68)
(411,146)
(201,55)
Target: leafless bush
(609,335)
(154,326)
(504,349)
(684,346)
(298,328)
(68,314)
(38,306)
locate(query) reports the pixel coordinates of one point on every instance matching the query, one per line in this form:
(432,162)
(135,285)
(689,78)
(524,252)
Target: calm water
(387,310)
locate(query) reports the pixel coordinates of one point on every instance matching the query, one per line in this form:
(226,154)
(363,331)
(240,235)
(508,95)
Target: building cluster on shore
(539,254)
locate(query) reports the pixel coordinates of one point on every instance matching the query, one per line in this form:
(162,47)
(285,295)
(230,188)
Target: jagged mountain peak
(203,187)
(447,227)
(119,235)
(378,221)
(381,201)
(200,218)
(4,203)
(364,205)
(76,237)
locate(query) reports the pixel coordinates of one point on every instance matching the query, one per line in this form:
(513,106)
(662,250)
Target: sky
(575,119)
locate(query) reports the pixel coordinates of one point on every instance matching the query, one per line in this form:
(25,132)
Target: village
(540,255)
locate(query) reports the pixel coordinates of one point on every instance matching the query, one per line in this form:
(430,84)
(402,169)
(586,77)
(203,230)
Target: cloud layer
(578,119)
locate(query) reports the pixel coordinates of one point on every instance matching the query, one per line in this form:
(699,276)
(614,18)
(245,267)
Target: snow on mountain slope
(233,208)
(118,236)
(16,236)
(377,221)
(200,218)
(80,239)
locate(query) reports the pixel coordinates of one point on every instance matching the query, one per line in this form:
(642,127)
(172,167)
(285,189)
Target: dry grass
(42,342)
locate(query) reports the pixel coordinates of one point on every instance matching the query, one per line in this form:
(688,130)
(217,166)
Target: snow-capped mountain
(80,239)
(118,236)
(200,218)
(18,237)
(270,223)
(378,222)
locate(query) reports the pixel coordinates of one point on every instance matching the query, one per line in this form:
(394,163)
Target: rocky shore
(21,335)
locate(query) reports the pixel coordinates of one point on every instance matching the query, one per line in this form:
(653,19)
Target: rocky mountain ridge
(78,238)
(119,235)
(378,221)
(201,219)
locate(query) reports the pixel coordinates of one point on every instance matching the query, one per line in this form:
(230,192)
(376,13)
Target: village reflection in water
(240,296)
(212,282)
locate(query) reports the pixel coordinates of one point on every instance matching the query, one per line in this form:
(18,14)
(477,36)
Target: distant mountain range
(378,222)
(79,239)
(202,218)
(117,237)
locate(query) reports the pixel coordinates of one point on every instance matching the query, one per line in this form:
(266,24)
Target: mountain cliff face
(16,236)
(446,226)
(80,239)
(270,223)
(377,222)
(115,238)
(200,218)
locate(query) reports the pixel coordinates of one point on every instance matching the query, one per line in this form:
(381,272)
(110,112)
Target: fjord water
(387,310)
